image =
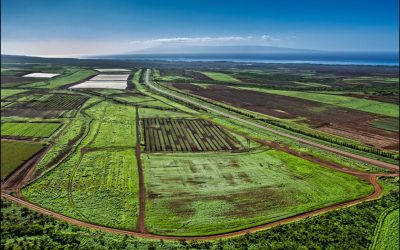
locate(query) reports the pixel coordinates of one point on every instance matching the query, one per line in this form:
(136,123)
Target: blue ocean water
(335,58)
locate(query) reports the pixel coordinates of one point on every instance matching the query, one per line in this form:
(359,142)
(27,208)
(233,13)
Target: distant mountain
(239,49)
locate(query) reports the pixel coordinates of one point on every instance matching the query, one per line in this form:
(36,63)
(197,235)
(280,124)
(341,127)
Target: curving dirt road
(372,179)
(378,163)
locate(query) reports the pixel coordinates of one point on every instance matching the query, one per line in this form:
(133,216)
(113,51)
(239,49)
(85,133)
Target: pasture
(36,130)
(16,153)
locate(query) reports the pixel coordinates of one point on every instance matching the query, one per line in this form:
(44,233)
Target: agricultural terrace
(382,108)
(94,177)
(15,153)
(37,129)
(201,194)
(186,135)
(221,77)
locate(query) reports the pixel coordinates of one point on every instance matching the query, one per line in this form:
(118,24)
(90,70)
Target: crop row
(186,135)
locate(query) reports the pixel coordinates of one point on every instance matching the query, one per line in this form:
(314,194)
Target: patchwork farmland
(186,135)
(148,158)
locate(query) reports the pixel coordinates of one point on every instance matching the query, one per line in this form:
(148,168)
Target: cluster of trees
(348,228)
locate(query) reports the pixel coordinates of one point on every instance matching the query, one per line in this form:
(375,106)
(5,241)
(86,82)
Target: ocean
(334,58)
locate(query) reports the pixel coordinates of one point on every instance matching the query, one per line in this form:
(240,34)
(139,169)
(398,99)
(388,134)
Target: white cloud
(269,38)
(193,40)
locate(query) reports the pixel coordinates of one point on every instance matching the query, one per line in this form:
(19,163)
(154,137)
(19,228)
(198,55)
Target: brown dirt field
(332,119)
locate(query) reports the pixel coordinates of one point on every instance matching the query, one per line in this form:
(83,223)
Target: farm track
(371,178)
(378,163)
(140,226)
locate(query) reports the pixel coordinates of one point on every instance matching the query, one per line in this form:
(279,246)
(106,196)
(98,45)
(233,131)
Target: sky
(93,27)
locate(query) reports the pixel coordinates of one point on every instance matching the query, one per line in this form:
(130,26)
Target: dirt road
(378,163)
(372,179)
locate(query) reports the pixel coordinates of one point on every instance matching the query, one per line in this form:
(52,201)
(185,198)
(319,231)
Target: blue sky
(75,27)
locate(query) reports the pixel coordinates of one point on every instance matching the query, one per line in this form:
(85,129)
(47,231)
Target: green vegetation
(31,129)
(92,166)
(221,77)
(9,92)
(347,228)
(15,153)
(213,193)
(387,231)
(390,124)
(72,76)
(371,106)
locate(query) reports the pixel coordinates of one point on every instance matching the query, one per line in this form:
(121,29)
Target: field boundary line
(140,226)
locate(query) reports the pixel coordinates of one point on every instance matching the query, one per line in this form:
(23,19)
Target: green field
(96,177)
(387,237)
(371,106)
(36,129)
(221,77)
(15,153)
(390,124)
(214,193)
(72,76)
(9,92)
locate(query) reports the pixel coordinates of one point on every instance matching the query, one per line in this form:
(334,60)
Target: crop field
(386,109)
(30,112)
(15,153)
(96,168)
(221,77)
(70,77)
(19,129)
(5,93)
(389,124)
(214,193)
(346,122)
(186,135)
(388,232)
(57,101)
